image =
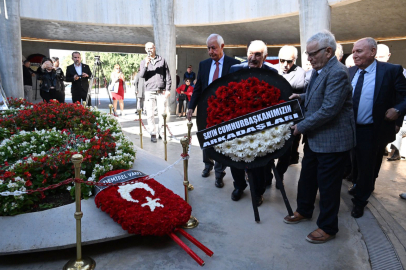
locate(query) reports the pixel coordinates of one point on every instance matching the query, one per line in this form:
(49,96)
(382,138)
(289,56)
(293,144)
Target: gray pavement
(229,229)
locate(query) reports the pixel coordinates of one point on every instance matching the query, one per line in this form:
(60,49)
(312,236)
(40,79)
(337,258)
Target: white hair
(292,49)
(371,42)
(384,48)
(261,44)
(149,43)
(339,51)
(325,39)
(220,40)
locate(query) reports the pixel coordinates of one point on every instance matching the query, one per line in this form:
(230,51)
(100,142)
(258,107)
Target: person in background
(190,74)
(349,62)
(28,73)
(60,94)
(78,74)
(183,95)
(139,92)
(118,88)
(339,52)
(50,82)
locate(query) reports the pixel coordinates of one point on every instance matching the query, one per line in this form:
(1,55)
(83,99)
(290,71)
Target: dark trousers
(239,178)
(140,103)
(323,172)
(47,96)
(209,164)
(81,96)
(295,146)
(367,160)
(60,96)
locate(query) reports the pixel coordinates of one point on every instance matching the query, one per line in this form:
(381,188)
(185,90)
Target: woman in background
(117,86)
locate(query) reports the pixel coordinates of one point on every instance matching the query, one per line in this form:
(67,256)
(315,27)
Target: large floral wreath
(240,98)
(145,207)
(37,143)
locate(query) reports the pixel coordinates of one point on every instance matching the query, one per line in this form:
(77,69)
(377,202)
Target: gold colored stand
(84,103)
(192,222)
(140,121)
(189,127)
(111,108)
(79,263)
(164,115)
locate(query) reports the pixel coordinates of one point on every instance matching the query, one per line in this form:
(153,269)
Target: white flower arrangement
(258,144)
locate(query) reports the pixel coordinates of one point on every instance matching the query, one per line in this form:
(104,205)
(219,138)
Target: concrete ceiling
(375,18)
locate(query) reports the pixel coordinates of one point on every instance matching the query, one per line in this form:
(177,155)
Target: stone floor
(229,229)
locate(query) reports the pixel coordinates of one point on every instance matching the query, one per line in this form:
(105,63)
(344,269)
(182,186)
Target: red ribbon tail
(196,242)
(186,248)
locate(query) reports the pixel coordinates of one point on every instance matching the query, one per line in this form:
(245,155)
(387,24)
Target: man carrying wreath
(256,55)
(329,129)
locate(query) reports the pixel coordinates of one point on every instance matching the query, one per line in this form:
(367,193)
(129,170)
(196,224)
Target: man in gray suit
(330,131)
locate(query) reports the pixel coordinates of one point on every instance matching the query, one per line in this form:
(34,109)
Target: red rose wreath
(146,207)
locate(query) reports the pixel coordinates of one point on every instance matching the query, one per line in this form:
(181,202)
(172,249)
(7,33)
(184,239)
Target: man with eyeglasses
(296,76)
(330,134)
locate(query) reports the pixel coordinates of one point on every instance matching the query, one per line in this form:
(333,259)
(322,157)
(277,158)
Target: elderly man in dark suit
(330,131)
(379,98)
(256,55)
(216,66)
(78,74)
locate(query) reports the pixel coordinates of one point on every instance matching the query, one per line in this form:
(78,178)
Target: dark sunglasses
(288,61)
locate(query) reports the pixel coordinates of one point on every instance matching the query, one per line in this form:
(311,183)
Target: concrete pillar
(314,16)
(11,71)
(162,14)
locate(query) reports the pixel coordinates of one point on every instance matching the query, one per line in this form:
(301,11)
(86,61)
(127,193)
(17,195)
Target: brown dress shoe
(319,237)
(296,218)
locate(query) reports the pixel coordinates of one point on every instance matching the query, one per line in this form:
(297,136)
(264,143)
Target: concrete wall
(137,12)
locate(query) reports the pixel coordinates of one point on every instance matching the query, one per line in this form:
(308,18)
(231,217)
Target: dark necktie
(313,79)
(357,93)
(216,72)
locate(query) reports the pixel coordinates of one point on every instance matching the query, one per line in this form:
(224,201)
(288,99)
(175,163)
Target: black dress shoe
(236,195)
(351,189)
(153,138)
(294,160)
(260,200)
(357,211)
(219,180)
(160,137)
(206,172)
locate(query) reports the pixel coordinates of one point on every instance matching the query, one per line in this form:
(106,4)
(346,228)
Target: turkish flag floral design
(146,207)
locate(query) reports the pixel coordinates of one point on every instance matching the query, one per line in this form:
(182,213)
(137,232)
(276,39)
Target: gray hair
(325,39)
(259,43)
(371,42)
(220,40)
(339,51)
(292,49)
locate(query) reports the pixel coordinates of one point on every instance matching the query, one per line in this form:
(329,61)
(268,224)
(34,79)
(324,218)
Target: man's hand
(295,96)
(85,75)
(296,131)
(397,128)
(391,115)
(147,60)
(189,114)
(75,77)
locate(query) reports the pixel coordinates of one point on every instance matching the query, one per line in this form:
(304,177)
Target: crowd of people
(352,112)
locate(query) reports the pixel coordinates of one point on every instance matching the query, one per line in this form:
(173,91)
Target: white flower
(69,188)
(90,193)
(82,172)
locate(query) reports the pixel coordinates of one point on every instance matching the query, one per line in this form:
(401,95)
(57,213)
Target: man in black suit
(78,74)
(256,55)
(216,66)
(379,100)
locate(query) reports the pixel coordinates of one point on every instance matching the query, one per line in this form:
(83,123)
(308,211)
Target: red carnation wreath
(240,98)
(157,212)
(138,213)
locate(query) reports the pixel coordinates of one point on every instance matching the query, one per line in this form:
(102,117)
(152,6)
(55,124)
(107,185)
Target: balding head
(287,58)
(257,53)
(382,53)
(215,46)
(364,52)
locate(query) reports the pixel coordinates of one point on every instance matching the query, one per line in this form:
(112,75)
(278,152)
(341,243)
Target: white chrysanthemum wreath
(258,144)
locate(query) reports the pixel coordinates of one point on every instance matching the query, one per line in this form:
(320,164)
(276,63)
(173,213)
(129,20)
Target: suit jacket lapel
(352,73)
(321,76)
(225,70)
(380,71)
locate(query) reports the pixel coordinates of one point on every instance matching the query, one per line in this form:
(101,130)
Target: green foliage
(129,63)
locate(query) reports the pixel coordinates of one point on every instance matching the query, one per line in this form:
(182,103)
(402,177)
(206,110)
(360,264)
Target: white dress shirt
(78,69)
(213,68)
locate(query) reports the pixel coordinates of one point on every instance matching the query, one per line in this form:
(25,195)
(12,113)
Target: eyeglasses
(288,61)
(313,54)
